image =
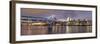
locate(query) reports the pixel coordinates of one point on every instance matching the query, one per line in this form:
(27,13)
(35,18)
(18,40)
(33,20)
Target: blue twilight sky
(58,14)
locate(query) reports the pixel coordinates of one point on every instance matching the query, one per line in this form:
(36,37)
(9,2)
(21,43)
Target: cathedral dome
(69,19)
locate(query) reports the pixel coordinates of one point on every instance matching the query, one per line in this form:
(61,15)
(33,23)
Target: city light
(39,23)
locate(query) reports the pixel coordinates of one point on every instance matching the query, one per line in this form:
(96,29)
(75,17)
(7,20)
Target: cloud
(59,14)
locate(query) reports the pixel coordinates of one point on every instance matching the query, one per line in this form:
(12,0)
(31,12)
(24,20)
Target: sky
(58,14)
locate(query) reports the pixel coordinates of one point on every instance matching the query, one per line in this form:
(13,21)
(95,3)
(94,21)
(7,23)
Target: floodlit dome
(69,19)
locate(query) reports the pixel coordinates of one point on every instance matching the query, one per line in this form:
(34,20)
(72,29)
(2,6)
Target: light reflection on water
(78,29)
(40,30)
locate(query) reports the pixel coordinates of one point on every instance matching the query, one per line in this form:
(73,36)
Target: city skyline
(50,21)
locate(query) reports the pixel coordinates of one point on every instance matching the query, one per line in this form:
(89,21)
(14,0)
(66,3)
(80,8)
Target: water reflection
(78,29)
(58,29)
